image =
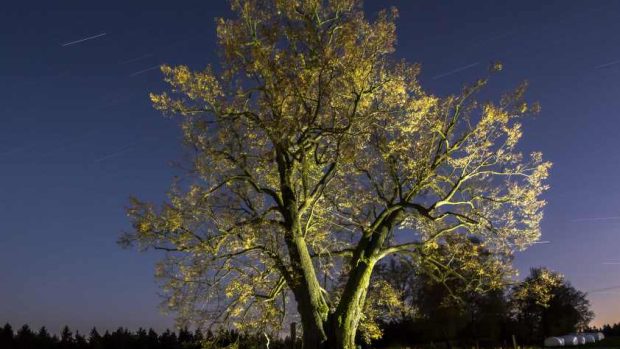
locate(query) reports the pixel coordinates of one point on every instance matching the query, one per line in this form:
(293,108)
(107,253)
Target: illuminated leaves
(538,288)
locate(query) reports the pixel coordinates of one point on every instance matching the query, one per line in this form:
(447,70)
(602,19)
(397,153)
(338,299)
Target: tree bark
(349,311)
(310,303)
(304,283)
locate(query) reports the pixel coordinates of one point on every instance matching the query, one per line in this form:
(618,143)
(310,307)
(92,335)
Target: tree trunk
(303,281)
(349,311)
(320,329)
(346,318)
(310,303)
(314,336)
(340,328)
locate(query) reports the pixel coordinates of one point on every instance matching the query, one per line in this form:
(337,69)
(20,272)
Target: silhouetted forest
(26,338)
(612,330)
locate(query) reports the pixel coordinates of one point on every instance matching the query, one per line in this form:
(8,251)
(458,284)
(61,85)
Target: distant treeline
(26,338)
(609,330)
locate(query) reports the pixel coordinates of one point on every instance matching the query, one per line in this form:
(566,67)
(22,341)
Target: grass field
(607,343)
(611,342)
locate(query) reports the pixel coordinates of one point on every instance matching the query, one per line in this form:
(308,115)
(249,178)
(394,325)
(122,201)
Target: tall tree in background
(315,155)
(25,338)
(94,339)
(446,307)
(66,338)
(545,304)
(7,337)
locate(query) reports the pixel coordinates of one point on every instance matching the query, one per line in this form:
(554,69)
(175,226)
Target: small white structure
(594,336)
(581,338)
(554,342)
(590,338)
(570,340)
(600,336)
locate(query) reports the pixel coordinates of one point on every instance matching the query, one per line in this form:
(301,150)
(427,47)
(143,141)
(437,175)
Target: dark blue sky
(78,136)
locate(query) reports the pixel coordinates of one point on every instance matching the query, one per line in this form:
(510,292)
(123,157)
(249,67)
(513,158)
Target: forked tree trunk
(338,332)
(322,330)
(340,328)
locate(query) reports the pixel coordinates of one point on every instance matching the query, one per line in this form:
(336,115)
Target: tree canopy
(316,154)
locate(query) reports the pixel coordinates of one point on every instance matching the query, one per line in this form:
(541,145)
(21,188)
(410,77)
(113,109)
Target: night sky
(78,137)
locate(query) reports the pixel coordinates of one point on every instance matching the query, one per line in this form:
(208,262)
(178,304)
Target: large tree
(315,154)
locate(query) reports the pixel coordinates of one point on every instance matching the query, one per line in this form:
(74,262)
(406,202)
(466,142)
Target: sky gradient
(78,137)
